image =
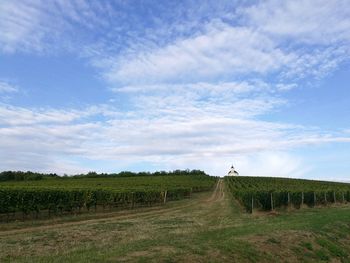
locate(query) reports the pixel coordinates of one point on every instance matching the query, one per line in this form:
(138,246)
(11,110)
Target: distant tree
(22,176)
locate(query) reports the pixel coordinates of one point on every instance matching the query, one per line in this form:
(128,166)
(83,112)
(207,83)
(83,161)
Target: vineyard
(266,193)
(55,196)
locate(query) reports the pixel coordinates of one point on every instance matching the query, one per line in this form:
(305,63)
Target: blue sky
(147,85)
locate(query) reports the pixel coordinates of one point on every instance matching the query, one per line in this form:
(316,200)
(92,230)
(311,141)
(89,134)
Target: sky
(108,86)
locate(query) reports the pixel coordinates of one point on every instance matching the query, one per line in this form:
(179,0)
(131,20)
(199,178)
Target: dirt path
(216,193)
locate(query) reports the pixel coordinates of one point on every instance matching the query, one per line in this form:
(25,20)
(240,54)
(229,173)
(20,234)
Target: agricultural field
(58,196)
(266,193)
(211,226)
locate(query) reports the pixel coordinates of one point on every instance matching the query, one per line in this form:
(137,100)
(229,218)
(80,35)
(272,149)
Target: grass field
(209,227)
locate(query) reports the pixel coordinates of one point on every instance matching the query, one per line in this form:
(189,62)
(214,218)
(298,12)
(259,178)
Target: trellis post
(271,202)
(132,200)
(165,195)
(288,199)
(302,198)
(314,198)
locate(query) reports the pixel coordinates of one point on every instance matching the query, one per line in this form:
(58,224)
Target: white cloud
(10,115)
(272,164)
(200,87)
(225,92)
(192,136)
(319,22)
(88,28)
(265,38)
(5,87)
(37,26)
(221,51)
(317,63)
(296,39)
(20,26)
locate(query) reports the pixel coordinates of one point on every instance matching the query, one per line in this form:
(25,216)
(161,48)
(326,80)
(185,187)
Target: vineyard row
(268,200)
(56,201)
(270,193)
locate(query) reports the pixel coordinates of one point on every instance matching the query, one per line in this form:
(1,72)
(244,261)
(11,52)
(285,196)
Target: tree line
(24,176)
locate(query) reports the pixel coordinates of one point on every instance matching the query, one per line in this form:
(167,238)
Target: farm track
(218,194)
(197,201)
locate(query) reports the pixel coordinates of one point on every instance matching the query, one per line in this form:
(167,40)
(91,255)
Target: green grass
(307,245)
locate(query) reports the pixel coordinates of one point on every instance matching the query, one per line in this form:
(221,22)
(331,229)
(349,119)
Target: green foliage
(27,176)
(133,174)
(266,193)
(69,194)
(22,176)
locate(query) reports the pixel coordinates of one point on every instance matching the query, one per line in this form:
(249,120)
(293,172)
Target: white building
(232,172)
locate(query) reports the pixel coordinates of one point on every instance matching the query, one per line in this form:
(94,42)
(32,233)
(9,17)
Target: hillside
(210,226)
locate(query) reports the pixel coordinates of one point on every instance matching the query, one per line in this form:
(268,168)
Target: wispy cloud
(100,27)
(316,22)
(6,87)
(20,26)
(223,51)
(183,135)
(262,44)
(191,44)
(273,164)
